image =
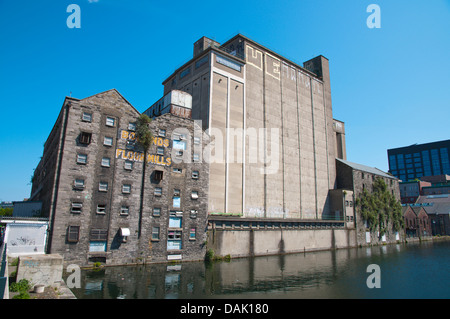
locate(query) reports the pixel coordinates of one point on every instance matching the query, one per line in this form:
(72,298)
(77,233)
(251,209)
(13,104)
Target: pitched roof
(364,168)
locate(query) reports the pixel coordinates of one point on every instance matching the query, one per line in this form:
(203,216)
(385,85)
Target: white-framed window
(160,150)
(87,117)
(126,188)
(78,183)
(132,126)
(101,209)
(196,140)
(108,141)
(156,211)
(106,162)
(177,170)
(155,233)
(103,186)
(110,121)
(158,191)
(162,133)
(81,158)
(192,233)
(196,157)
(124,210)
(193,213)
(194,195)
(174,240)
(195,174)
(76,208)
(128,165)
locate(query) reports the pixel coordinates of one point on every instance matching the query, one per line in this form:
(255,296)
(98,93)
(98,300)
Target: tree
(380,208)
(144,138)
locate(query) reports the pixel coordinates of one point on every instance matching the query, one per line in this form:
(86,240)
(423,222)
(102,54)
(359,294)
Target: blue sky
(391,86)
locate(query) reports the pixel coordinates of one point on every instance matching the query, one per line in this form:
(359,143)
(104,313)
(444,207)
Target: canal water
(413,270)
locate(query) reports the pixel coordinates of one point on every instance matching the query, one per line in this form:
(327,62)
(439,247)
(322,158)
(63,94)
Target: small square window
(103,186)
(110,121)
(162,133)
(78,184)
(73,234)
(193,213)
(156,211)
(176,192)
(158,191)
(196,157)
(124,210)
(106,162)
(87,117)
(81,158)
(195,174)
(160,151)
(126,188)
(177,170)
(76,208)
(194,195)
(196,140)
(128,165)
(108,141)
(101,209)
(132,127)
(85,138)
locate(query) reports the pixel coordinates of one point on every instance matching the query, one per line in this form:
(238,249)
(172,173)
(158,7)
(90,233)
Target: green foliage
(22,286)
(22,295)
(143,133)
(380,208)
(7,211)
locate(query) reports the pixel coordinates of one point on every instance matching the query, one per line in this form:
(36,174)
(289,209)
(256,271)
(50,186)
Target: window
(156,211)
(110,121)
(176,202)
(106,162)
(99,235)
(155,233)
(178,153)
(103,186)
(76,208)
(193,213)
(85,138)
(73,234)
(192,233)
(196,140)
(81,158)
(174,240)
(176,192)
(175,219)
(162,133)
(87,117)
(194,195)
(128,165)
(124,210)
(126,188)
(160,151)
(78,184)
(159,175)
(179,145)
(132,127)
(196,157)
(108,141)
(177,170)
(158,191)
(101,209)
(195,174)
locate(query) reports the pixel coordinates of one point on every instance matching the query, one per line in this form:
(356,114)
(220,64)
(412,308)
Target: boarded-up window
(73,234)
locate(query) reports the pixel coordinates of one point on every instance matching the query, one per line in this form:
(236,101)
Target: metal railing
(4,273)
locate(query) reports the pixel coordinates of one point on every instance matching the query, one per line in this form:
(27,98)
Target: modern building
(410,191)
(102,204)
(418,160)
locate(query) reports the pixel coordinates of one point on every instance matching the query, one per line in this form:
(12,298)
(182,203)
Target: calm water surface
(418,270)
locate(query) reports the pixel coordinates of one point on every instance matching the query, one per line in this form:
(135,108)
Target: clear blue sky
(391,86)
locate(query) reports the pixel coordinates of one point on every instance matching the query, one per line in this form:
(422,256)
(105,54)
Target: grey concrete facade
(275,119)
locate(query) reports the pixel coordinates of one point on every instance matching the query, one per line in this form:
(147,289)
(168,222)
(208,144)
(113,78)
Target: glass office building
(411,162)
